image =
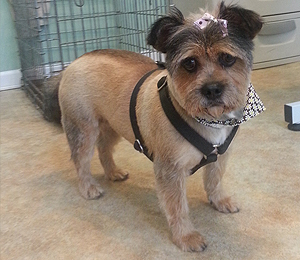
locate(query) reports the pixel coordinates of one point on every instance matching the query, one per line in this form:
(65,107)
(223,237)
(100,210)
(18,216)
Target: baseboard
(10,79)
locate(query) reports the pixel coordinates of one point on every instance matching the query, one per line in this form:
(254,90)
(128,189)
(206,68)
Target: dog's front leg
(213,185)
(171,188)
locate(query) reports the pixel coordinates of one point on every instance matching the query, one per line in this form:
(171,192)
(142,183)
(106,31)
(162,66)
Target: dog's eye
(190,64)
(227,60)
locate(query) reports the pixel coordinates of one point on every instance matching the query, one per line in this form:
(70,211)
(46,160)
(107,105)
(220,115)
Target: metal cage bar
(53,33)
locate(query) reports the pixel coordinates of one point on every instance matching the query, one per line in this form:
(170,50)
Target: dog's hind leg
(213,185)
(82,138)
(107,139)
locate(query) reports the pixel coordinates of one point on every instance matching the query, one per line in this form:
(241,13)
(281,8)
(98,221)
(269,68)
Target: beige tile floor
(44,217)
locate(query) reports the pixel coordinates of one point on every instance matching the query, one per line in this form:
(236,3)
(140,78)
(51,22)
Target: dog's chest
(216,136)
(188,155)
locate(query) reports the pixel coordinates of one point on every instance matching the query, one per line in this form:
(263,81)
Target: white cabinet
(269,7)
(279,41)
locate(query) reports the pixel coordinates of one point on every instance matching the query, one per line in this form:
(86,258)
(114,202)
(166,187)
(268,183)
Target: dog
(207,73)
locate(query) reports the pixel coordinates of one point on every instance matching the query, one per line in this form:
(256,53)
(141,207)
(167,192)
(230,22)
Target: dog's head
(209,67)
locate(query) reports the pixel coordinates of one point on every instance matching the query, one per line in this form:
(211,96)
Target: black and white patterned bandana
(254,106)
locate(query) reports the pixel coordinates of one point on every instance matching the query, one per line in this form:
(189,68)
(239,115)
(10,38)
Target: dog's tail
(52,110)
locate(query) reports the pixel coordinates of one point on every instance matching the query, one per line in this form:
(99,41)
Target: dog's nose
(212,91)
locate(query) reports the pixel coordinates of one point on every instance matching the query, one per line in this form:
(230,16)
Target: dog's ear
(247,22)
(163,28)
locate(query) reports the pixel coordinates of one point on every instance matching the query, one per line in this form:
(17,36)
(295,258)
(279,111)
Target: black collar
(209,150)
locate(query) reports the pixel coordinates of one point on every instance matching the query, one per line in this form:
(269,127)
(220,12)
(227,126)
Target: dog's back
(90,83)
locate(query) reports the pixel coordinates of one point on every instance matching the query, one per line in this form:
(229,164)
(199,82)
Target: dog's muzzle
(254,106)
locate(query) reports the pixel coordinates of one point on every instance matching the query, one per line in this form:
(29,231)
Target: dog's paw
(225,205)
(117,175)
(90,190)
(192,242)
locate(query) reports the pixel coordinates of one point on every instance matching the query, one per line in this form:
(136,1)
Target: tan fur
(94,96)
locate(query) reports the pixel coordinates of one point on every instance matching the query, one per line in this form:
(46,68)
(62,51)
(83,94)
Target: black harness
(209,150)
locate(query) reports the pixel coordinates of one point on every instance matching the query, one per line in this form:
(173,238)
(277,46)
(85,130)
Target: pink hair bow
(207,18)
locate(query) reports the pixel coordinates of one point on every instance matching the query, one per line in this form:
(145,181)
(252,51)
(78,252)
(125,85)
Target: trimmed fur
(94,97)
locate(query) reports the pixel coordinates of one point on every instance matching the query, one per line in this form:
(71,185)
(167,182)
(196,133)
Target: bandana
(207,18)
(254,106)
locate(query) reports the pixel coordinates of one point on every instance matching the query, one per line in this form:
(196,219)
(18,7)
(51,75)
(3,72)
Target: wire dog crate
(53,33)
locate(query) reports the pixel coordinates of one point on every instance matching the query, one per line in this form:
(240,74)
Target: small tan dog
(207,73)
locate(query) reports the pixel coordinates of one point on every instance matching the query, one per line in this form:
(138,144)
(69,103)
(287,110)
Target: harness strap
(189,133)
(220,150)
(209,150)
(139,142)
(180,124)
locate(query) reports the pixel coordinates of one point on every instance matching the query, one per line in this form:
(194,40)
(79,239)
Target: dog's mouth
(218,109)
(220,114)
(215,111)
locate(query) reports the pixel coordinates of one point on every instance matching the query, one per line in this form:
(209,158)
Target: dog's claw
(225,205)
(90,190)
(118,175)
(192,242)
